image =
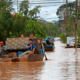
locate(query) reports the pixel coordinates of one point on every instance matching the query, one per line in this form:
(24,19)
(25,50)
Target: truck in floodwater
(71,41)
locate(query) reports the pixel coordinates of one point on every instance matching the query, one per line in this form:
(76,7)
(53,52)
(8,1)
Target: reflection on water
(63,64)
(19,71)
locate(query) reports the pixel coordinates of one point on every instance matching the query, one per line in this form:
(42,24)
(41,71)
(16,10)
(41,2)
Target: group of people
(32,45)
(48,41)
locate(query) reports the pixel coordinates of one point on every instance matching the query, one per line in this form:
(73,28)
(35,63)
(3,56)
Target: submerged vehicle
(19,44)
(24,58)
(71,42)
(48,48)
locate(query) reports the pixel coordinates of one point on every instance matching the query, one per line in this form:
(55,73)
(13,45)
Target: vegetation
(35,28)
(24,22)
(14,26)
(62,9)
(63,38)
(69,26)
(78,36)
(7,5)
(30,13)
(52,29)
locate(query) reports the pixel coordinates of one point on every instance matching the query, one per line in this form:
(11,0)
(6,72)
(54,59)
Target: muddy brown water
(63,64)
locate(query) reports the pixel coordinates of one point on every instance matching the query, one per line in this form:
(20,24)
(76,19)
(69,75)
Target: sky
(48,9)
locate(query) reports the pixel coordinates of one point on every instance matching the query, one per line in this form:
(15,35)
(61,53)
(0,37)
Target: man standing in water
(33,38)
(34,41)
(48,42)
(30,47)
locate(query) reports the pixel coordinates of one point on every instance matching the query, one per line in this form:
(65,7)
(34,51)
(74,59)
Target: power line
(40,2)
(45,5)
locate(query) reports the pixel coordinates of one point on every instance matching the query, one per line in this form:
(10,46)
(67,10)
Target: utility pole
(67,9)
(17,6)
(76,19)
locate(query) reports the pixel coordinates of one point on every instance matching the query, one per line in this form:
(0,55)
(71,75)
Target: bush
(63,38)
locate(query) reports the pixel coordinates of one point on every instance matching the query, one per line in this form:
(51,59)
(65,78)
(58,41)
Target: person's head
(30,41)
(39,41)
(22,35)
(47,35)
(31,35)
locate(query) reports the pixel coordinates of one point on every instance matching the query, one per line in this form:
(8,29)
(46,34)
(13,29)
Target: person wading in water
(39,46)
(30,47)
(48,42)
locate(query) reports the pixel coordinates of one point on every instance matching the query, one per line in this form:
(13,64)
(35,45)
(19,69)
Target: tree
(5,23)
(34,11)
(69,27)
(52,29)
(63,38)
(35,28)
(19,25)
(24,9)
(5,18)
(79,14)
(7,5)
(61,11)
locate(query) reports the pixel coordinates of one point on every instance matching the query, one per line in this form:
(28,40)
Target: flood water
(63,64)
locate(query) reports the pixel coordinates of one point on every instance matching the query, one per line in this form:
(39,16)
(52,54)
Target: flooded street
(63,64)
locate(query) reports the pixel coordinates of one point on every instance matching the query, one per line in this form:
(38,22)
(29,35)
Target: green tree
(5,18)
(19,25)
(35,28)
(79,14)
(6,4)
(62,8)
(69,27)
(5,23)
(34,11)
(63,38)
(12,26)
(24,9)
(52,29)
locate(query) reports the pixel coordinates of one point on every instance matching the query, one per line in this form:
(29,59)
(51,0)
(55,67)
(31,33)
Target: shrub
(63,38)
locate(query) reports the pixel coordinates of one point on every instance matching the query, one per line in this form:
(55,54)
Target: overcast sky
(48,9)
